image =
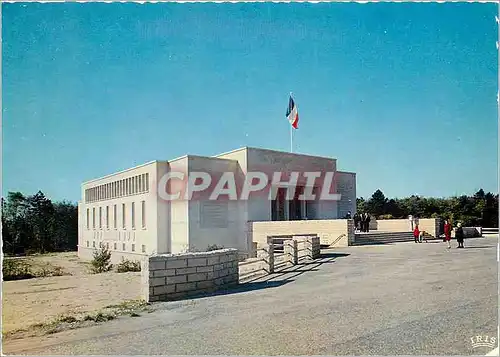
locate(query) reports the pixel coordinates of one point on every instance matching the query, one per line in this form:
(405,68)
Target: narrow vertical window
(93,218)
(143,212)
(143,248)
(133,247)
(140,183)
(114,217)
(133,215)
(147,182)
(88,216)
(123,246)
(114,246)
(123,215)
(107,217)
(100,217)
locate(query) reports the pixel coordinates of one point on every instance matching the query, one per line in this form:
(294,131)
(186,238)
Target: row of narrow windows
(115,246)
(103,220)
(120,188)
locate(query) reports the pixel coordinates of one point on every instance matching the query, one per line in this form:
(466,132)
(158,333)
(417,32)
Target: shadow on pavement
(279,278)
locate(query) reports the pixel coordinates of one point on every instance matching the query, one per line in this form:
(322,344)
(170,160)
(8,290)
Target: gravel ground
(405,298)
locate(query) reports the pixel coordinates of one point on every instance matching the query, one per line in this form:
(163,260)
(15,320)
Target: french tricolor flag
(292,114)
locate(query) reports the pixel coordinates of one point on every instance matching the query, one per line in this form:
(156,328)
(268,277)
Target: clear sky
(402,94)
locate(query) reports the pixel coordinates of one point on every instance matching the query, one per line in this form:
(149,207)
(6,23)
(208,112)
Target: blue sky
(402,94)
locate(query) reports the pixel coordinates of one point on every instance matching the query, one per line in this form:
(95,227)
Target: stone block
(218,281)
(197,262)
(176,263)
(213,260)
(219,266)
(204,284)
(185,287)
(176,296)
(183,271)
(206,269)
(161,273)
(157,281)
(154,298)
(157,265)
(197,277)
(210,275)
(176,279)
(165,289)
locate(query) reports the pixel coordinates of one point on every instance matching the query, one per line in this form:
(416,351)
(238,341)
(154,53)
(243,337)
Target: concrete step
(382,238)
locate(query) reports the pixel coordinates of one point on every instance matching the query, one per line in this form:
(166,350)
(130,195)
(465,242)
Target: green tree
(377,203)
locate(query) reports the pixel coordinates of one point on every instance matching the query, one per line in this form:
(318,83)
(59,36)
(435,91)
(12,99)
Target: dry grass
(45,305)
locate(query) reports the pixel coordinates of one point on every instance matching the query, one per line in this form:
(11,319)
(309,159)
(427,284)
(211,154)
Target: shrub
(50,270)
(214,247)
(102,261)
(385,216)
(128,265)
(16,269)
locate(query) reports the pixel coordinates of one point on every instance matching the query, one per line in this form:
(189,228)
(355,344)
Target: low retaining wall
(301,248)
(172,277)
(470,232)
(429,225)
(335,232)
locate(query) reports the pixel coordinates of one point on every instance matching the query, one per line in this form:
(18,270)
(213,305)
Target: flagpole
(291,133)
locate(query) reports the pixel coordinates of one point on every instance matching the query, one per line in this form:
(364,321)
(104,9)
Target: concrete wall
(122,240)
(172,277)
(339,231)
(163,212)
(346,186)
(469,232)
(116,256)
(179,213)
(429,225)
(222,221)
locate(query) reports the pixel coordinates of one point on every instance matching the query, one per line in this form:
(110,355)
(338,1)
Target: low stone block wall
(302,248)
(334,232)
(172,277)
(470,232)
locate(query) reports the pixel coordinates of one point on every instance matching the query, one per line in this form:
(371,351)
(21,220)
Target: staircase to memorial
(377,237)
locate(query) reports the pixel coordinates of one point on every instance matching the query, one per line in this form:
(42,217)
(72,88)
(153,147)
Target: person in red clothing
(447,233)
(416,233)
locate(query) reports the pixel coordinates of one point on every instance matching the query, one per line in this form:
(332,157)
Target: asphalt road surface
(404,298)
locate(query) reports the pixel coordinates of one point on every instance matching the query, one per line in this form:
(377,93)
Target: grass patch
(22,268)
(68,322)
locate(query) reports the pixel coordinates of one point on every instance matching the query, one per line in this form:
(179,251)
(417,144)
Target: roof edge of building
(121,172)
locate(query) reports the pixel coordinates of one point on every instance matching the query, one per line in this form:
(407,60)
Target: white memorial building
(127,212)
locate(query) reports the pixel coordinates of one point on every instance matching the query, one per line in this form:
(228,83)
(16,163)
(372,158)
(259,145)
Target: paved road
(396,299)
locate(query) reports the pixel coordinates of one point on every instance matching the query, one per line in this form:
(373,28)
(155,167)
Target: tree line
(480,209)
(35,224)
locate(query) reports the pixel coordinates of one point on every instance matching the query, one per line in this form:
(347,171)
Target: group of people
(361,222)
(459,234)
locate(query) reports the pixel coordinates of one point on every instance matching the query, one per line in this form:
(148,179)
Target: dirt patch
(37,303)
(68,261)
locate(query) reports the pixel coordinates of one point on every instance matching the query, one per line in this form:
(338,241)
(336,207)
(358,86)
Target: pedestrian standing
(459,234)
(447,233)
(416,234)
(363,222)
(368,222)
(356,221)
